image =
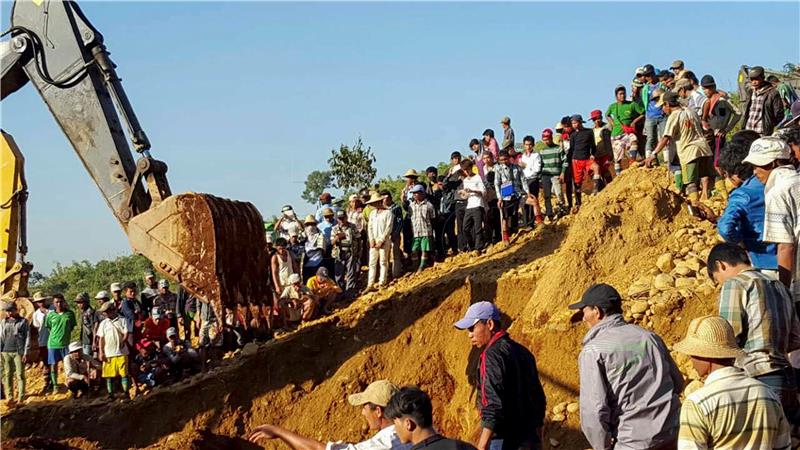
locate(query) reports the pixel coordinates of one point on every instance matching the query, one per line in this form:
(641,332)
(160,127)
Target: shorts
(422,244)
(580,167)
(533,186)
(115,366)
(624,143)
(604,162)
(699,168)
(54,355)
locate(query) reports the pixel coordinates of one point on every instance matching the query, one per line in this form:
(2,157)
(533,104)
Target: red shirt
(156,332)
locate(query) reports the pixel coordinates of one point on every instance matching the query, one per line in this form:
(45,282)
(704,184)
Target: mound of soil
(623,236)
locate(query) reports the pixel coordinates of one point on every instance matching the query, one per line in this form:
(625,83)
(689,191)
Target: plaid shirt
(755,121)
(350,244)
(763,318)
(733,411)
(422,215)
(504,173)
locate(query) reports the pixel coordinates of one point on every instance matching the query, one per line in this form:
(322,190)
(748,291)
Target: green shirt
(623,113)
(553,160)
(60,326)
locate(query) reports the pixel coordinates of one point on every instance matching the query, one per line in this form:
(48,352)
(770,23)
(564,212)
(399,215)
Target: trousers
(13,369)
(346,271)
(379,263)
(473,228)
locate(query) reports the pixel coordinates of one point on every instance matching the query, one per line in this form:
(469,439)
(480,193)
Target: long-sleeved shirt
(782,215)
(583,144)
(14,335)
(505,174)
(385,439)
(762,315)
(379,227)
(629,387)
(731,412)
(531,165)
(76,367)
(554,162)
(508,138)
(37,321)
(743,222)
(422,214)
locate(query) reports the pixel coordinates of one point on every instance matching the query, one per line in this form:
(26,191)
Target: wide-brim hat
(710,337)
(375,198)
(40,297)
(310,220)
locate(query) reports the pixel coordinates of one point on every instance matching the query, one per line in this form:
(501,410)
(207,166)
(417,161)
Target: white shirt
(379,226)
(531,165)
(113,333)
(782,215)
(696,100)
(475,183)
(386,439)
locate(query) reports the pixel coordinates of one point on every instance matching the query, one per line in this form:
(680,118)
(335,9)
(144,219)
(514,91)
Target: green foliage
(352,168)
(392,184)
(316,183)
(83,276)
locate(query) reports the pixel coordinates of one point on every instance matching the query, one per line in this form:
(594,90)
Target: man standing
(422,213)
(167,302)
(694,154)
(116,292)
(88,323)
(508,134)
(771,160)
(412,413)
(42,335)
(554,166)
(510,188)
(346,241)
(433,192)
(59,324)
(677,68)
(531,163)
(763,109)
(623,116)
(373,403)
(654,121)
(763,318)
(584,149)
(718,118)
(492,225)
(629,383)
(149,293)
(602,159)
(398,222)
(453,185)
(14,340)
(325,201)
(511,399)
(732,410)
(130,310)
(113,351)
(476,206)
(379,236)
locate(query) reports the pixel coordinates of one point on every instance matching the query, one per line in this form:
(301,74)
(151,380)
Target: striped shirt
(554,162)
(733,411)
(782,215)
(422,215)
(763,318)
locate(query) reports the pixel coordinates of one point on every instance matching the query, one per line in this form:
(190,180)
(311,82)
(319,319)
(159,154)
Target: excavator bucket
(214,247)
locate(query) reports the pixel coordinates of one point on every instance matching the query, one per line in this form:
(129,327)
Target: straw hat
(40,297)
(411,173)
(375,198)
(710,337)
(310,220)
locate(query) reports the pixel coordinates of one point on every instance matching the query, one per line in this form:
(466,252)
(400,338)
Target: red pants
(580,167)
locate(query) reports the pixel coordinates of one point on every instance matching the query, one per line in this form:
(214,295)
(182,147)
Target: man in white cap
(116,293)
(76,370)
(373,403)
(288,223)
(732,410)
(167,302)
(14,340)
(150,292)
(112,348)
(511,399)
(771,160)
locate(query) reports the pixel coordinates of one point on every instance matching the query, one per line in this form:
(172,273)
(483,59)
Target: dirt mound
(404,333)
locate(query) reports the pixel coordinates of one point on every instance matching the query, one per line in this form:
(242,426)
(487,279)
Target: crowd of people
(629,383)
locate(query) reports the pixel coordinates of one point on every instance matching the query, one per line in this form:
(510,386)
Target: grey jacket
(629,387)
(14,335)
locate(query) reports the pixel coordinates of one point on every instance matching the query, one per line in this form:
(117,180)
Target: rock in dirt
(558,418)
(683,271)
(682,283)
(560,408)
(663,282)
(638,307)
(573,408)
(665,263)
(554,443)
(694,263)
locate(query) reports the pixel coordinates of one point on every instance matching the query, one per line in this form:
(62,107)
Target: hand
(561,178)
(24,359)
(101,357)
(262,432)
(499,203)
(648,162)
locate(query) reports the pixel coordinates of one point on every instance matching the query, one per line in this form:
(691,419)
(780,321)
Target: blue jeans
(654,129)
(784,385)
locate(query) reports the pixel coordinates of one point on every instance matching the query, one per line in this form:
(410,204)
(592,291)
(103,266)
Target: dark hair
(474,142)
(791,136)
(772,78)
(727,253)
(386,193)
(488,132)
(130,285)
(691,76)
(281,242)
(432,169)
(411,402)
(619,88)
(58,296)
(466,164)
(731,157)
(502,153)
(528,139)
(455,155)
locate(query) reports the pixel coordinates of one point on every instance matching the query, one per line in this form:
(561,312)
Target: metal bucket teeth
(214,247)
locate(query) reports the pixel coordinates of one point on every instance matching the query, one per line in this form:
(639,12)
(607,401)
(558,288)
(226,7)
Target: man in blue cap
(422,215)
(511,399)
(629,383)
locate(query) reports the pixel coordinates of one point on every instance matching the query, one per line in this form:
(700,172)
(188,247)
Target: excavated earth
(635,235)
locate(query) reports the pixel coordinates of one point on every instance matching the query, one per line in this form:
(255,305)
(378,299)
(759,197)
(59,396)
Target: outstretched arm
(292,439)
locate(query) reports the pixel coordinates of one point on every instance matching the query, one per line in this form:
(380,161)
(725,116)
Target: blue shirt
(325,227)
(318,215)
(743,222)
(652,111)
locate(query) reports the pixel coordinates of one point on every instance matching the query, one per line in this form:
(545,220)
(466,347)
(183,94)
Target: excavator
(214,247)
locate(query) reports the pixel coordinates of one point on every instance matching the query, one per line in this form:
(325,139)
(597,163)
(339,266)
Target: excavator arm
(214,247)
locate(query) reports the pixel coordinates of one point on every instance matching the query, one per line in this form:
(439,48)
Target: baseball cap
(708,81)
(326,196)
(601,295)
(576,117)
(505,119)
(171,331)
(756,72)
(619,88)
(287,208)
(767,149)
(162,283)
(547,132)
(683,83)
(156,313)
(293,278)
(149,274)
(666,97)
(115,287)
(596,114)
(795,109)
(378,393)
(107,306)
(478,311)
(82,297)
(341,214)
(649,69)
(639,71)
(74,347)
(101,294)
(677,64)
(417,188)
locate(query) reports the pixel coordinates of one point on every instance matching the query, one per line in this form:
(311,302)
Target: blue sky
(243,100)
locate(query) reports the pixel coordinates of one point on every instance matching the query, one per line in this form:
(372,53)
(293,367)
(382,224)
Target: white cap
(767,149)
(101,294)
(115,287)
(294,278)
(74,347)
(171,331)
(162,283)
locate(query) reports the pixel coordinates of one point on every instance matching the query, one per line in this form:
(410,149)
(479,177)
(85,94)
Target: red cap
(596,114)
(547,132)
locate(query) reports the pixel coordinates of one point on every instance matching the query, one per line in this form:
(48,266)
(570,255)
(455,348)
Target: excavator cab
(214,247)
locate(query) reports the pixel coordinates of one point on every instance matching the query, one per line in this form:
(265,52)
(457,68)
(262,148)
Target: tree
(316,183)
(352,168)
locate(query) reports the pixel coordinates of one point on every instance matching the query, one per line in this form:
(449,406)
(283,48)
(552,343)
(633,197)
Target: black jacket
(772,113)
(511,398)
(582,143)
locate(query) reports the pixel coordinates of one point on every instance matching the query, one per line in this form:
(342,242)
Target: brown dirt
(405,334)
